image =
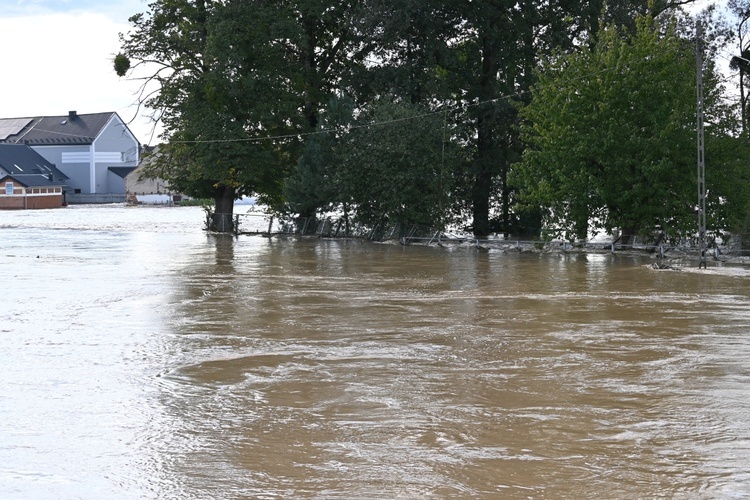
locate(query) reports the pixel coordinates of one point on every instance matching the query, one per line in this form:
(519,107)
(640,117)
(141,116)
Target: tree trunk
(310,64)
(485,142)
(743,101)
(222,218)
(346,219)
(481,199)
(505,200)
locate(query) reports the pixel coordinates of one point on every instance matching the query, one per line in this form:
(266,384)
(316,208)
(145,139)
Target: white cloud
(119,10)
(55,62)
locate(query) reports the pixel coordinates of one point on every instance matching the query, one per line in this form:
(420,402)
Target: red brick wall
(31,200)
(11,202)
(17,202)
(49,201)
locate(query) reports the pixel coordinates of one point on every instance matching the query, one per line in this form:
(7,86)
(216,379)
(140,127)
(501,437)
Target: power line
(354,127)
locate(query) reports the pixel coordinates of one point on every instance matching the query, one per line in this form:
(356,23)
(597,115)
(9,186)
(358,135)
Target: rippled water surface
(143,358)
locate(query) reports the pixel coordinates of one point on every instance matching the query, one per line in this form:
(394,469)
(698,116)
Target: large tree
(391,56)
(611,136)
(492,68)
(236,84)
(241,85)
(211,72)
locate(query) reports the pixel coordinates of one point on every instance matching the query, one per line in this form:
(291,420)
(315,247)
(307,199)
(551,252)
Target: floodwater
(143,358)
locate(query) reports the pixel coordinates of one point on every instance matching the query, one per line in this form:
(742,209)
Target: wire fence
(329,227)
(332,227)
(222,222)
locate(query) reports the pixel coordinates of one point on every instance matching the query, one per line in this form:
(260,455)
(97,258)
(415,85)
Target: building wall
(134,184)
(88,165)
(96,198)
(115,137)
(55,201)
(31,198)
(30,202)
(114,147)
(115,182)
(8,202)
(73,161)
(150,191)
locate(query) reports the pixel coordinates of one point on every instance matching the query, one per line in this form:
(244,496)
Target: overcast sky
(56,56)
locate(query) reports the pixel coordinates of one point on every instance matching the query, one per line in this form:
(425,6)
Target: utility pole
(701,161)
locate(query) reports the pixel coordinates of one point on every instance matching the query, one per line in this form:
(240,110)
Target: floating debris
(662,266)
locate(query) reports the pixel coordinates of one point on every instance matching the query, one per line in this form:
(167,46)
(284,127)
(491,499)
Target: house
(95,151)
(146,190)
(27,180)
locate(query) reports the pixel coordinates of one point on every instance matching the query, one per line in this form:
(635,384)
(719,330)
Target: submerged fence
(259,223)
(271,225)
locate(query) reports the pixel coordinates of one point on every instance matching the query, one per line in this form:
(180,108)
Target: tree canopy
(235,82)
(612,141)
(422,112)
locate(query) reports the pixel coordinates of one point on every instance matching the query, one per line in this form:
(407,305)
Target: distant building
(149,191)
(95,151)
(28,180)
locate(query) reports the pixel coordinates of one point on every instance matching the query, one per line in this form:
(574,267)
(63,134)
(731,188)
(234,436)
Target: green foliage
(234,83)
(241,88)
(174,42)
(409,41)
(727,183)
(195,202)
(740,12)
(313,185)
(398,170)
(121,64)
(612,141)
(488,66)
(310,187)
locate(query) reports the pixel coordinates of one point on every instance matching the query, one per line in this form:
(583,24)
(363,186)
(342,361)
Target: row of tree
(515,116)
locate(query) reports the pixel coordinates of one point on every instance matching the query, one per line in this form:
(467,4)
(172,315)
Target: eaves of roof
(121,171)
(32,180)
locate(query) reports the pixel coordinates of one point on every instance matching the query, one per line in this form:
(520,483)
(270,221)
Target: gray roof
(33,180)
(121,171)
(53,130)
(20,159)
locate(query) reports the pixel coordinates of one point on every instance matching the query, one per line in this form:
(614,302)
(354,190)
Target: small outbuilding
(27,180)
(141,189)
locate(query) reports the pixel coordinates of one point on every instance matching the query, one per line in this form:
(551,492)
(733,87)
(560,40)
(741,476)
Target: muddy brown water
(143,358)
